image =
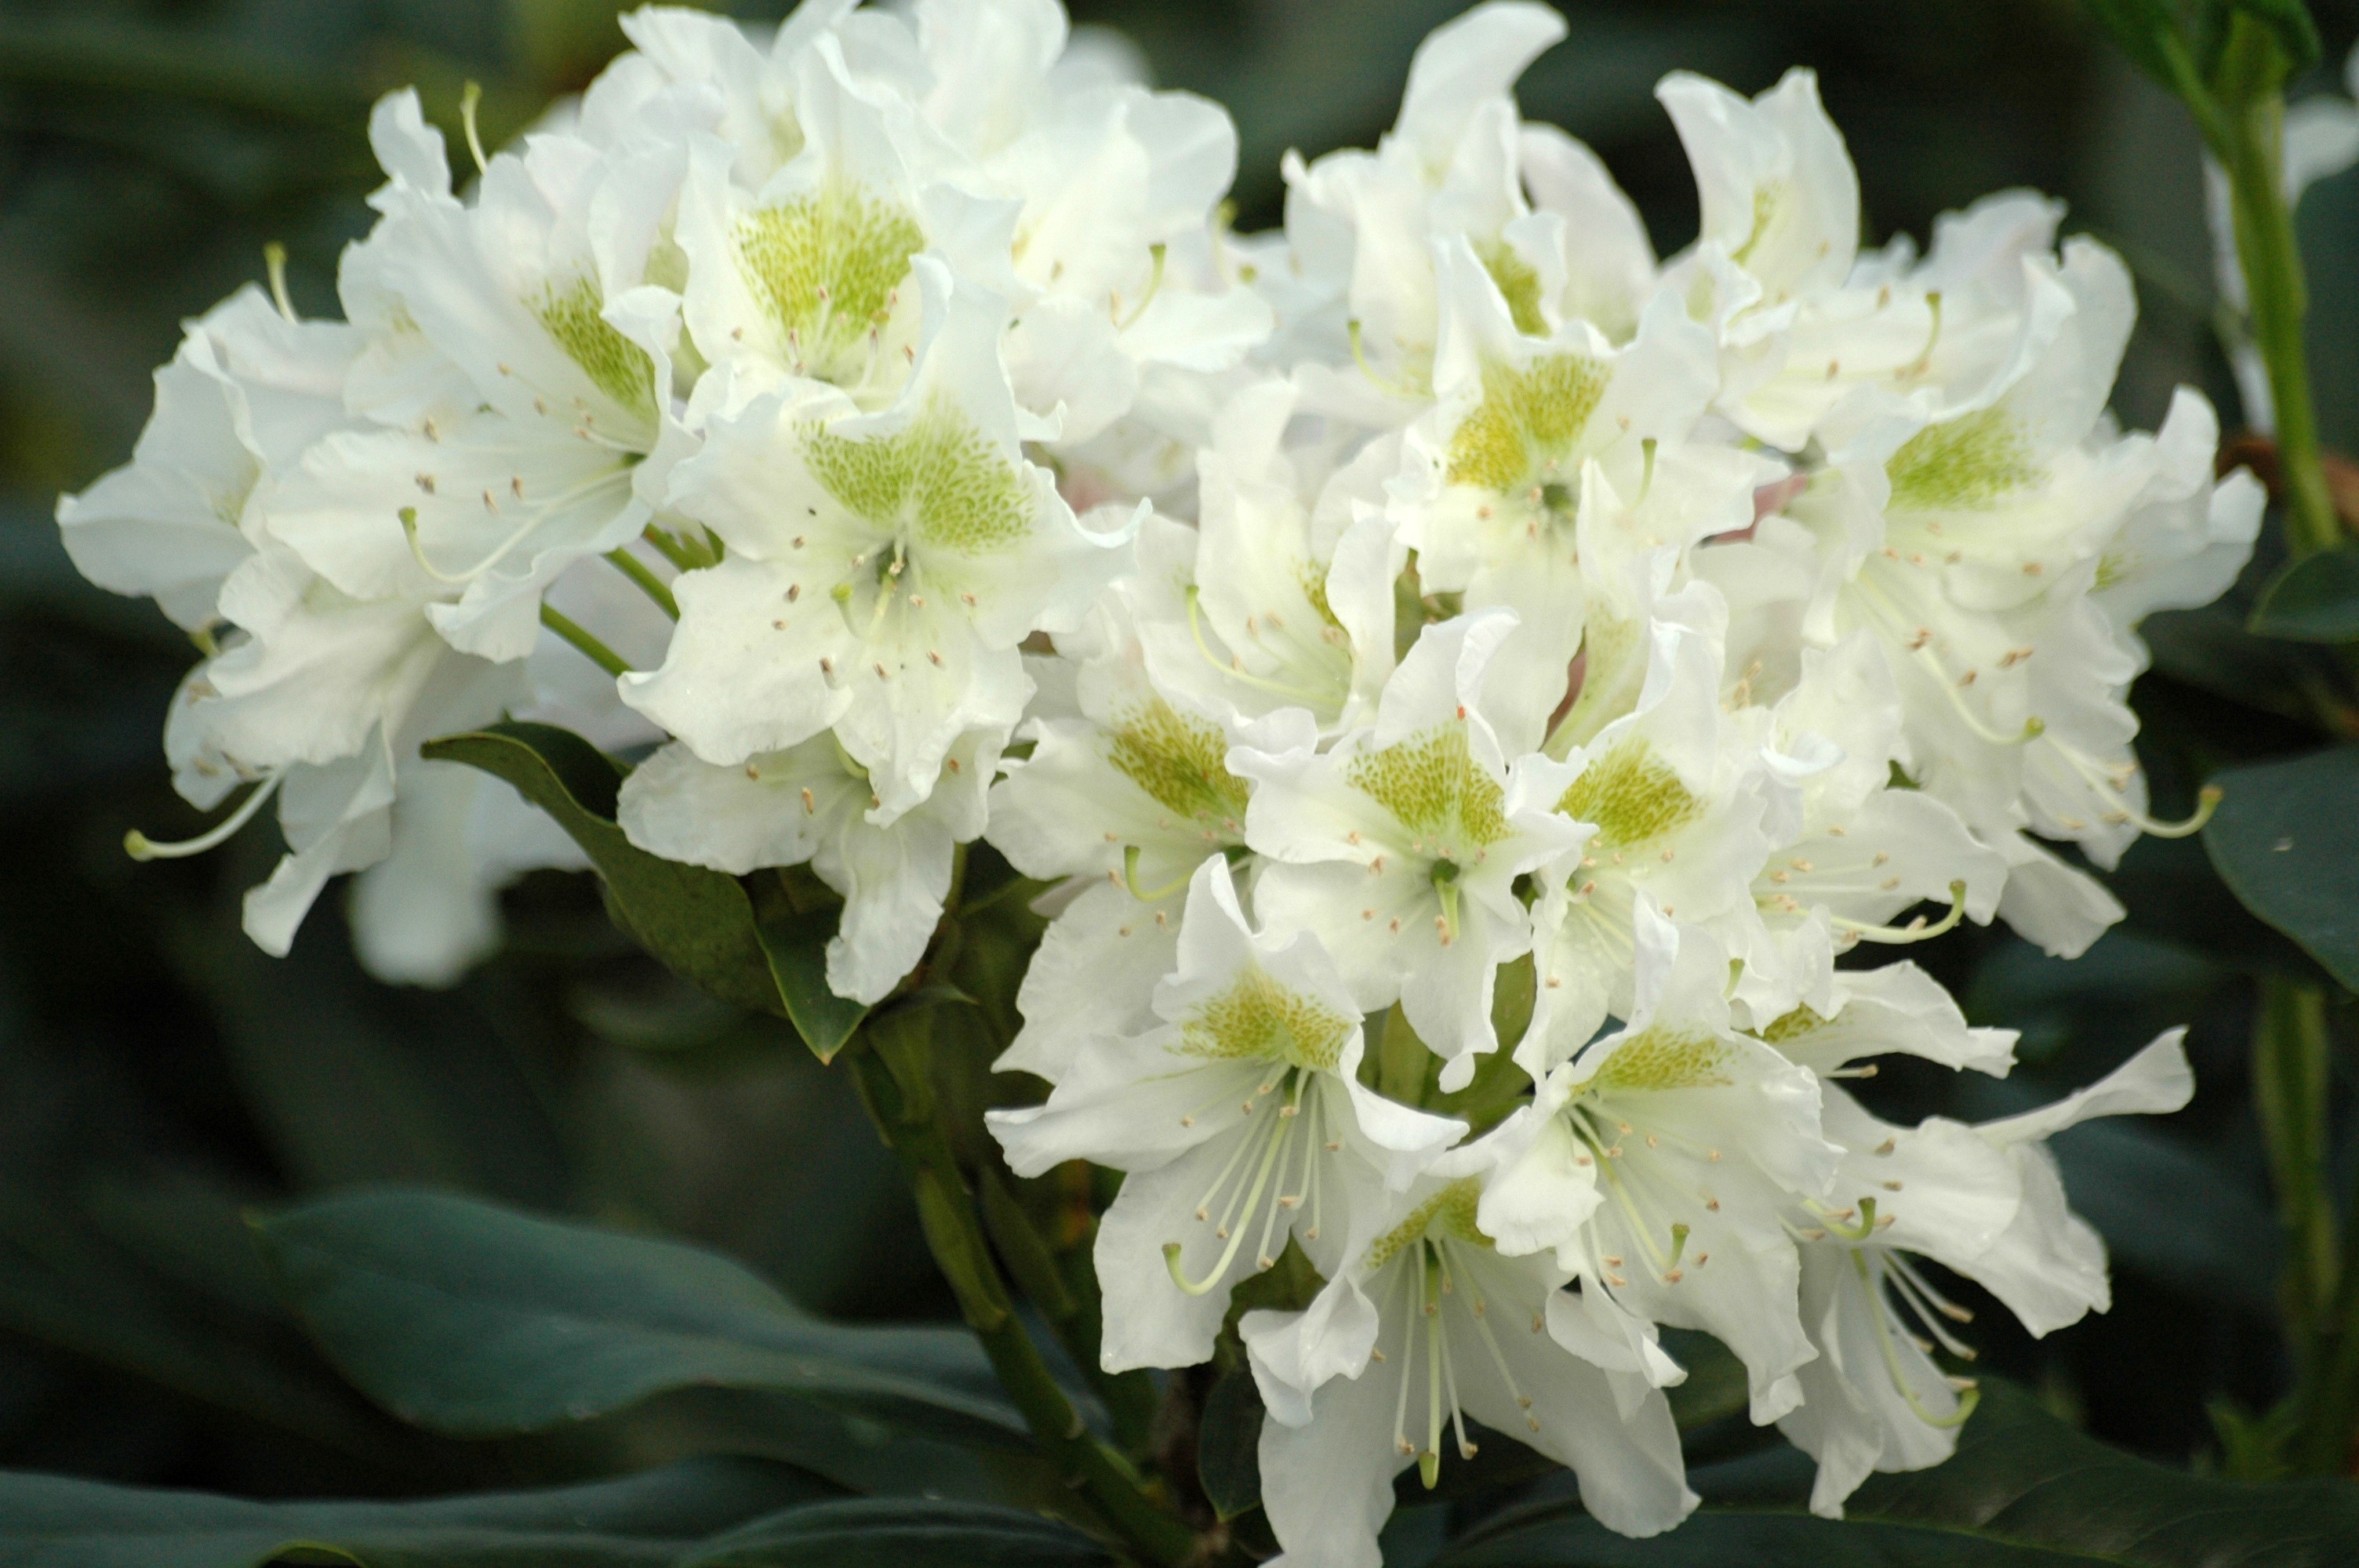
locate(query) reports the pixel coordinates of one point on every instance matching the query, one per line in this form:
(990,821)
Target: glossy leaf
(793,931)
(1722,1539)
(1228,1444)
(2024,1490)
(479,1321)
(700,923)
(2313,600)
(915,1532)
(650,1519)
(2286,840)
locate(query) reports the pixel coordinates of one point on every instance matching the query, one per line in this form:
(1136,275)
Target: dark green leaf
(479,1321)
(2215,1239)
(61,1284)
(1228,1444)
(699,921)
(2288,22)
(2285,839)
(2313,600)
(2021,1474)
(351,1087)
(2024,1490)
(2139,27)
(2174,893)
(50,1522)
(1745,1539)
(1715,1387)
(2213,650)
(914,1532)
(794,934)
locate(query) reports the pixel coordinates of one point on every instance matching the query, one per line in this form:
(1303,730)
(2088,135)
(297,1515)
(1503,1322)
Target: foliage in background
(158,1077)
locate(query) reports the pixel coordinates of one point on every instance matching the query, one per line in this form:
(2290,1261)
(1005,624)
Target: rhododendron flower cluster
(1439,630)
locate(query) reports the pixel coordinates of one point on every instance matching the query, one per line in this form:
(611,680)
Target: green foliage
(157,1076)
(639,1521)
(2175,42)
(793,918)
(2313,600)
(2023,1491)
(1228,1445)
(478,1320)
(2287,22)
(759,942)
(699,1513)
(912,1533)
(699,922)
(2287,839)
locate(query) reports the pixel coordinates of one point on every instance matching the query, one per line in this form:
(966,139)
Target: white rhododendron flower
(1425,1327)
(870,434)
(882,568)
(1241,1121)
(1400,847)
(1658,1165)
(1668,804)
(1984,1202)
(1125,796)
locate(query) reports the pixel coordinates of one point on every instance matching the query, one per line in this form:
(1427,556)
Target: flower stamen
(139,846)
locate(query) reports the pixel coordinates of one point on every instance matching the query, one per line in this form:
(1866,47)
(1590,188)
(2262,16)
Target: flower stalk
(2243,121)
(890,1060)
(583,639)
(2290,1075)
(2238,104)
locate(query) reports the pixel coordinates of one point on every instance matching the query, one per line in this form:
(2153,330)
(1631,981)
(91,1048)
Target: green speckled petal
(825,267)
(615,365)
(1631,796)
(1663,1058)
(1449,1213)
(1529,424)
(1518,284)
(1181,760)
(939,483)
(1258,1019)
(1974,461)
(1433,786)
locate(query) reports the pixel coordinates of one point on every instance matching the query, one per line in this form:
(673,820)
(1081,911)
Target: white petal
(1326,1482)
(1094,974)
(894,879)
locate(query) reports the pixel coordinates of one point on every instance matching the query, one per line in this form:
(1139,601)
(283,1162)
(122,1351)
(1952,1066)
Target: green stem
(891,1076)
(1064,1290)
(2245,126)
(631,566)
(2328,1405)
(1068,1298)
(1130,1397)
(2319,1293)
(671,547)
(2290,1061)
(597,652)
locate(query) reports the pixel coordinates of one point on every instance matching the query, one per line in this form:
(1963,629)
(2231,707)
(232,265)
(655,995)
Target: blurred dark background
(158,1076)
